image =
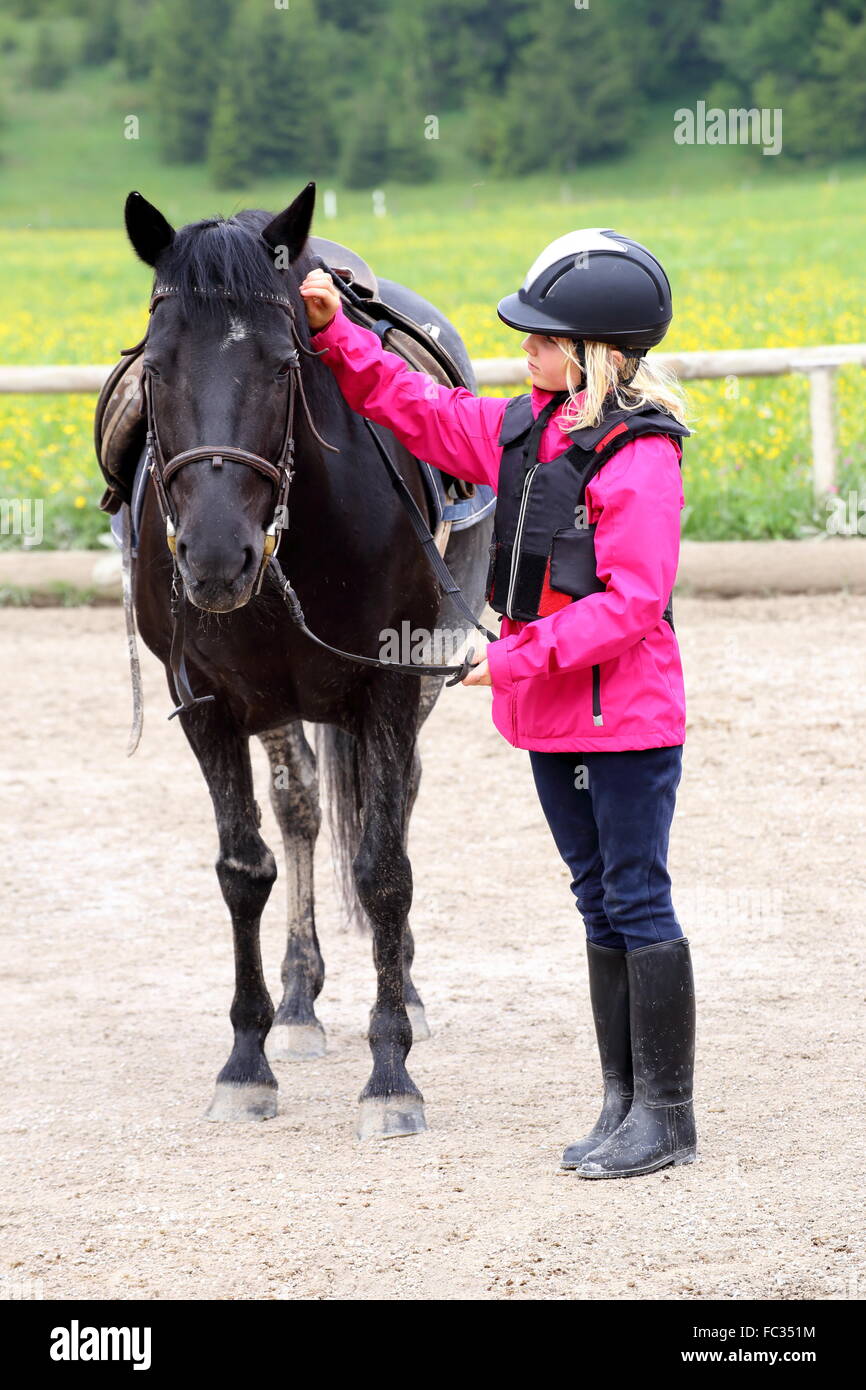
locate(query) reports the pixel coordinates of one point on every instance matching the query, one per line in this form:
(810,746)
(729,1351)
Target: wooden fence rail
(818,363)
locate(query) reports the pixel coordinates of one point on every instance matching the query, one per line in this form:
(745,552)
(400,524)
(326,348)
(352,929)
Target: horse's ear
(286,234)
(147,229)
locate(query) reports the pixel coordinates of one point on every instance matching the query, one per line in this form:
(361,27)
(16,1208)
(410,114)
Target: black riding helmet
(594,284)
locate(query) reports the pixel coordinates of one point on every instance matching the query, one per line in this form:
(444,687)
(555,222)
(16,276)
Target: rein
(280,474)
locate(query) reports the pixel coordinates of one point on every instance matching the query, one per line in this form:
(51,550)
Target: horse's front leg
(246,1088)
(297,1034)
(390,1103)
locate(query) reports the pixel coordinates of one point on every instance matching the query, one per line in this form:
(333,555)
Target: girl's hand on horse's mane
(321,299)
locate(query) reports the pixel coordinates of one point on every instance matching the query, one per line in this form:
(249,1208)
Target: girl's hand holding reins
(480,673)
(321,298)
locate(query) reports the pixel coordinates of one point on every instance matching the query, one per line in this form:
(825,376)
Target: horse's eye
(283,370)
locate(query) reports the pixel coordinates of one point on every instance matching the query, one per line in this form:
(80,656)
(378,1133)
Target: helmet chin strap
(631,365)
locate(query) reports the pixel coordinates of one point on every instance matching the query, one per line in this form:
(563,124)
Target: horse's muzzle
(218,579)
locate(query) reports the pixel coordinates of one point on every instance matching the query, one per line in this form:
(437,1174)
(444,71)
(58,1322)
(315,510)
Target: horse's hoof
(295,1042)
(390,1117)
(418,1019)
(234,1101)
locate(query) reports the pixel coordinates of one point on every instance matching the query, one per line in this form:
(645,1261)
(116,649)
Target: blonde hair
(632,384)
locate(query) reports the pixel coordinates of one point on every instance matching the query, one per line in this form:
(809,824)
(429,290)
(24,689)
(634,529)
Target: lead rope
(415,668)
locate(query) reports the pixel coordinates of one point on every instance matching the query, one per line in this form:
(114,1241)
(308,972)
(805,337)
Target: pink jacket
(541,671)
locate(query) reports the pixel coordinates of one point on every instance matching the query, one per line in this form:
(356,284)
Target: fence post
(823,429)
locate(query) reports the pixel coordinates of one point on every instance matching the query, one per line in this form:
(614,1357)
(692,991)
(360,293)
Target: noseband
(280,473)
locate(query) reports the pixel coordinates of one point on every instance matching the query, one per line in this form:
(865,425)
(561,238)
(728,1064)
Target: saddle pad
(463,513)
(139,487)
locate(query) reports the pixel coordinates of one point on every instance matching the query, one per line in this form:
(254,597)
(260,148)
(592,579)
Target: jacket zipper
(597,716)
(596,696)
(515,554)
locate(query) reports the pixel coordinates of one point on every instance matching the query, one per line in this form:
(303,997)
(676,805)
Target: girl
(586,674)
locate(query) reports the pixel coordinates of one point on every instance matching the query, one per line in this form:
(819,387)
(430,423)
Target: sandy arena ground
(117,978)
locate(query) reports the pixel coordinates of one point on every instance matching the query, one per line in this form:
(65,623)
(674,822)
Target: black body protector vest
(542,555)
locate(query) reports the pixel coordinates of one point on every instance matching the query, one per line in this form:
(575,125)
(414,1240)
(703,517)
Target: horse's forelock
(221,253)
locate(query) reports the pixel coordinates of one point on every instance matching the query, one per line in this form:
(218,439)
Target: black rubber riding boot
(608,993)
(659,1129)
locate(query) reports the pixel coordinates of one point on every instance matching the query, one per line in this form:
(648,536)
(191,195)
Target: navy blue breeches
(610,815)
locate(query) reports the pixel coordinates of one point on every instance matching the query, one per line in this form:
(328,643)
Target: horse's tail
(337,758)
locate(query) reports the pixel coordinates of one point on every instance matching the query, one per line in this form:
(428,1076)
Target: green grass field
(759,253)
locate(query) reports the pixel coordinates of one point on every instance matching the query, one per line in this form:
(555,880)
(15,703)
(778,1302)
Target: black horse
(217,361)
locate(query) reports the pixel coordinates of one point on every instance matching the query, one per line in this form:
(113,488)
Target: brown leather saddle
(120,426)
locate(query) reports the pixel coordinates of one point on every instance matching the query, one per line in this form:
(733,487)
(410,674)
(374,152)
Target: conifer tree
(188,37)
(573,96)
(291,130)
(410,120)
(101,32)
(364,162)
(50,64)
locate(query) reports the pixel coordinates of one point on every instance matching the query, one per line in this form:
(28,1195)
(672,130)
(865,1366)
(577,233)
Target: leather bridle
(280,473)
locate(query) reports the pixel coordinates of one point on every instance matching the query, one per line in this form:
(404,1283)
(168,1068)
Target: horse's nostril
(215,566)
